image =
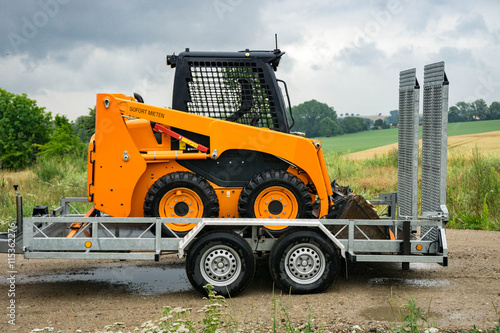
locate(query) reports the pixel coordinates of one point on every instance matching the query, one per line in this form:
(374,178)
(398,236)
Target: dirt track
(88,295)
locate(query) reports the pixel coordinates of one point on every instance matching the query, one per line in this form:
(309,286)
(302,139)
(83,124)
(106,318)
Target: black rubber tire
(178,179)
(260,182)
(307,250)
(220,248)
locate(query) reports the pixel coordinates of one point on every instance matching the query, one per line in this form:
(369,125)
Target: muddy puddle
(144,281)
(405,282)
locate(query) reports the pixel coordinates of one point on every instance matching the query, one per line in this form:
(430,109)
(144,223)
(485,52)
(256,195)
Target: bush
(23,125)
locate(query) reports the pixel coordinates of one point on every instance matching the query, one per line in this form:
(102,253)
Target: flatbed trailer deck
(53,237)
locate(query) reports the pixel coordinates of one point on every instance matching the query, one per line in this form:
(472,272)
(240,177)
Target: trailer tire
(275,194)
(303,262)
(223,260)
(194,198)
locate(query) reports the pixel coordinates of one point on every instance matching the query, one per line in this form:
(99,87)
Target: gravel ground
(90,294)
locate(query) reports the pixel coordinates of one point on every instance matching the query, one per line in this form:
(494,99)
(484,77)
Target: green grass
(473,194)
(473,191)
(473,127)
(473,182)
(351,143)
(43,184)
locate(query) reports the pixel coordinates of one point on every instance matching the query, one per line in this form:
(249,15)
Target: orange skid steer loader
(223,150)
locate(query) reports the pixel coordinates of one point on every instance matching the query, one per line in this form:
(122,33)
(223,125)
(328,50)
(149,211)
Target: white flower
(431,330)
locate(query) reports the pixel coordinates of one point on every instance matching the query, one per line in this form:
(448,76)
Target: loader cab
(234,86)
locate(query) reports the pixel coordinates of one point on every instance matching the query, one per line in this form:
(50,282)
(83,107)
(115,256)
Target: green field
(351,143)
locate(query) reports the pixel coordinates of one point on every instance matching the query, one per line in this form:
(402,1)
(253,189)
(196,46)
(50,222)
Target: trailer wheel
(222,259)
(275,194)
(181,194)
(303,262)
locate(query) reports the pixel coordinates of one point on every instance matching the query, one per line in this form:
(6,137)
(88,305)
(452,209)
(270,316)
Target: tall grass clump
(385,160)
(43,184)
(474,191)
(368,177)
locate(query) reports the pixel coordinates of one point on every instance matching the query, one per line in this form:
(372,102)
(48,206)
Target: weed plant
(408,317)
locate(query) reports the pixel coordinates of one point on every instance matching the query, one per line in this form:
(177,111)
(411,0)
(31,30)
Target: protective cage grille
(233,91)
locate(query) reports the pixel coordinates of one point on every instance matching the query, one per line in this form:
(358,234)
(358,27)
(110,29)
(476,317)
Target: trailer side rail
(134,239)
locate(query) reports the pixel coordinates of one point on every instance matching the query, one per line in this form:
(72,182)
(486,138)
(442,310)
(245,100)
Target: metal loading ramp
(434,153)
(409,96)
(434,145)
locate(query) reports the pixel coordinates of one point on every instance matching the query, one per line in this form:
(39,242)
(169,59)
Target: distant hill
(374,118)
(351,143)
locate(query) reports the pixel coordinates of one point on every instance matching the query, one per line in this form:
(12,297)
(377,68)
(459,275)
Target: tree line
(28,132)
(477,110)
(317,119)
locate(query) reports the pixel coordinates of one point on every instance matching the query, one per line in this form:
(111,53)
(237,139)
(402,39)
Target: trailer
(305,255)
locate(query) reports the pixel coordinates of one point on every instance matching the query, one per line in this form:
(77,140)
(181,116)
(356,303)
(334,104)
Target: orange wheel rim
(276,202)
(181,202)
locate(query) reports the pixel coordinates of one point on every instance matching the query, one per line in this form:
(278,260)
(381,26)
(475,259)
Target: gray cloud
(364,54)
(42,27)
(63,52)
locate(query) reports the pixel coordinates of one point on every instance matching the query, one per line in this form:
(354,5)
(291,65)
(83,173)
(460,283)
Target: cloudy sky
(347,54)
